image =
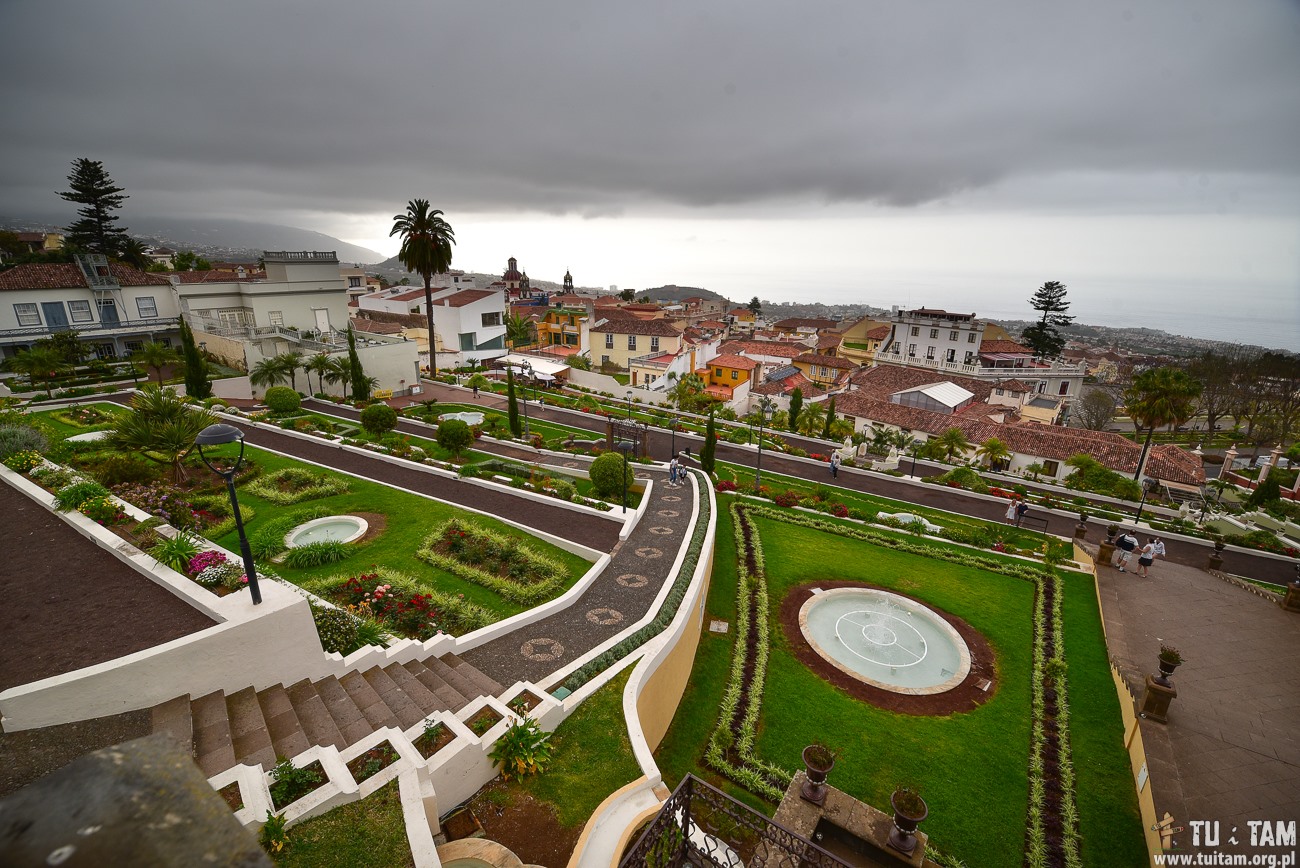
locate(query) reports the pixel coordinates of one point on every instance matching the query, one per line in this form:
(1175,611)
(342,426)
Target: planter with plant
(486,718)
(373,761)
(523,749)
(1170,659)
(818,760)
(909,810)
(291,783)
(433,738)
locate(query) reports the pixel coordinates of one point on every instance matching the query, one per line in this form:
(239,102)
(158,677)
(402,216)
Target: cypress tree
(96,229)
(710,446)
(197,383)
(512,404)
(830,418)
(360,388)
(796,404)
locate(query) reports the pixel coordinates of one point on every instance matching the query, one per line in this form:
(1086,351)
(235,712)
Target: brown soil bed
(376,522)
(527,826)
(69,603)
(483,721)
(428,747)
(964,697)
(230,792)
(373,761)
(282,796)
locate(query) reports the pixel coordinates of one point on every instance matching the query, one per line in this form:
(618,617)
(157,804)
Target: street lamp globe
(221,434)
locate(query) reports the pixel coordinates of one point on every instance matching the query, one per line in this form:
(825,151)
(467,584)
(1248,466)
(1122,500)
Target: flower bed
(295,484)
(493,560)
(486,718)
(399,607)
(373,761)
(435,737)
(292,783)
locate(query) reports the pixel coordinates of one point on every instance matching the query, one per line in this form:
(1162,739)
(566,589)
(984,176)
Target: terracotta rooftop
(729,360)
(1009,347)
(375,327)
(464,297)
(763,348)
(879,333)
(216,275)
(807,323)
(826,361)
(66,275)
(787,385)
(634,326)
(885,380)
(829,342)
(1013,386)
(711,324)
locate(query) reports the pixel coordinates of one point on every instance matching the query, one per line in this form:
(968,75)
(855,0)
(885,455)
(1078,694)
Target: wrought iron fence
(702,826)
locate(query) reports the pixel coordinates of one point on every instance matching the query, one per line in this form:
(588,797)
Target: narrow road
(1194,554)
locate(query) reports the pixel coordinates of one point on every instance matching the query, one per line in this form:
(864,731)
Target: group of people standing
(1127,543)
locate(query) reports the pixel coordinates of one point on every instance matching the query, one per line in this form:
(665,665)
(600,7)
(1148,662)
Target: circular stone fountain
(331,528)
(885,640)
(468,418)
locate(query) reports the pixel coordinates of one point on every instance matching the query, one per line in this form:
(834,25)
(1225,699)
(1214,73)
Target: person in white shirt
(1125,544)
(1146,557)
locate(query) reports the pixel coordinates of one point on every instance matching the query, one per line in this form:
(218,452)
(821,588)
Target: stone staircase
(254,727)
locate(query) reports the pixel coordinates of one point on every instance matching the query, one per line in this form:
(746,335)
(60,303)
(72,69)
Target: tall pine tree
(99,197)
(796,405)
(830,419)
(710,447)
(512,405)
(1042,337)
(197,384)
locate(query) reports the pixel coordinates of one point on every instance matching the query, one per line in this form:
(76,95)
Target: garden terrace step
(213,750)
(459,681)
(287,735)
(486,685)
(402,706)
(368,700)
(449,698)
(248,729)
(352,724)
(317,724)
(423,698)
(175,720)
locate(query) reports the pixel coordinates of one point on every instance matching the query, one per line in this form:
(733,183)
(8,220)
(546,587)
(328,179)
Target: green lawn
(971,767)
(1019,537)
(58,422)
(410,518)
(549,430)
(368,833)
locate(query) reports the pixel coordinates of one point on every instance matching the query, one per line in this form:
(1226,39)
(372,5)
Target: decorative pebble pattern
(542,649)
(605,616)
(649,553)
(668,513)
(632,580)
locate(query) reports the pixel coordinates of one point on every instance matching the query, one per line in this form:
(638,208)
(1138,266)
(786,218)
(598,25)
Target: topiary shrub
(282,400)
(609,473)
(378,419)
(454,436)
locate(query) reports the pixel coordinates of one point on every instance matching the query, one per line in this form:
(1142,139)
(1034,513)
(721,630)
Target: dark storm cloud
(242,108)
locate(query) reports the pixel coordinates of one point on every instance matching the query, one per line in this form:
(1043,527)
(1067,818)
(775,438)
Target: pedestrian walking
(1125,545)
(1146,557)
(835,465)
(1011,511)
(1021,509)
(476,391)
(674,468)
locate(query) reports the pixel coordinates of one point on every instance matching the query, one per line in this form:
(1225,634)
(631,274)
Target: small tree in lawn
(609,473)
(796,404)
(830,419)
(478,381)
(378,419)
(360,383)
(455,436)
(155,356)
(197,383)
(512,405)
(710,447)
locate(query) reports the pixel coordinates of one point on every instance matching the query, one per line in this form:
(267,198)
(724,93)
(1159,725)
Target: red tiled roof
(801,322)
(787,385)
(732,361)
(1013,385)
(375,327)
(409,295)
(634,326)
(826,361)
(829,342)
(66,275)
(464,297)
(883,381)
(879,333)
(740,311)
(216,275)
(763,348)
(1010,347)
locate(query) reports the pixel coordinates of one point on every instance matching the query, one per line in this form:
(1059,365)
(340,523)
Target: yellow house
(562,326)
(742,315)
(862,339)
(824,370)
(618,340)
(728,370)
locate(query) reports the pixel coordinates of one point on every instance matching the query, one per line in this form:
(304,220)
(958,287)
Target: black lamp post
(764,416)
(219,435)
(625,446)
(1149,486)
(629,403)
(912,473)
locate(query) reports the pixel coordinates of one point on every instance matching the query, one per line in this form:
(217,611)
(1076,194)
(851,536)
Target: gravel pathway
(617,598)
(70,604)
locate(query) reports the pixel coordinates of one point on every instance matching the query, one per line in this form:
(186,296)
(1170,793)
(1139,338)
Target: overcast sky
(792,150)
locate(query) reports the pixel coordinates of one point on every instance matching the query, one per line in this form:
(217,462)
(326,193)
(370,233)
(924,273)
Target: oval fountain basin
(885,640)
(467,417)
(331,528)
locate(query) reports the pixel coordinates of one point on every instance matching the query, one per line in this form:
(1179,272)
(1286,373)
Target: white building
(113,307)
(470,323)
(303,292)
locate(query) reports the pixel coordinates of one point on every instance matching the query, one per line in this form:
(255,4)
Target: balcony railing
(981,371)
(162,323)
(700,825)
(300,256)
(651,360)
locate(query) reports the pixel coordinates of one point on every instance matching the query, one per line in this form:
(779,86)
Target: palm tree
(812,418)
(519,330)
(156,356)
(268,372)
(39,363)
(426,250)
(340,372)
(292,361)
(952,444)
(993,452)
(1159,397)
(135,254)
(320,365)
(161,427)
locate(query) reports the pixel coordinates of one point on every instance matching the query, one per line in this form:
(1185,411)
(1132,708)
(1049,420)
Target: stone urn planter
(909,810)
(818,760)
(1170,659)
(1081,529)
(1216,556)
(1106,551)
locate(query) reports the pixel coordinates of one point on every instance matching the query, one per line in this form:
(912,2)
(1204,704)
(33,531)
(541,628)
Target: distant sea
(1266,315)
